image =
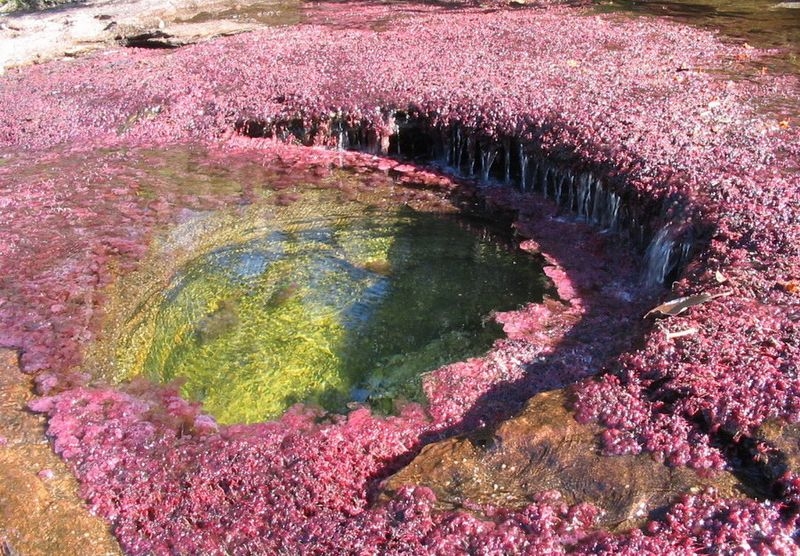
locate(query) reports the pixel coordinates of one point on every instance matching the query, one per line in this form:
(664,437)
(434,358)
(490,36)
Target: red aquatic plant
(630,101)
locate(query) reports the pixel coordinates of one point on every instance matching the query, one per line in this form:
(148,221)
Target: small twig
(680,333)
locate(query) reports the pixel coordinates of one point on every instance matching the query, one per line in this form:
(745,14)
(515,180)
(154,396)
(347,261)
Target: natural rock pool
(328,291)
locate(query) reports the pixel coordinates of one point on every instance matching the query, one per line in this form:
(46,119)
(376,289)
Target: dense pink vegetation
(630,99)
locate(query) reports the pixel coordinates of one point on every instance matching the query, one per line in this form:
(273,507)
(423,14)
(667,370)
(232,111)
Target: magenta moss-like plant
(641,104)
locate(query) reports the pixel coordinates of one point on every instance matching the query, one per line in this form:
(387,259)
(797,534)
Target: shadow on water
(609,325)
(444,278)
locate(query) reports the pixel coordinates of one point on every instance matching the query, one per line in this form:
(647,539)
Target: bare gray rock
(73,29)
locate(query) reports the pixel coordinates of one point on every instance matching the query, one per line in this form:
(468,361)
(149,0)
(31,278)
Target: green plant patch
(319,300)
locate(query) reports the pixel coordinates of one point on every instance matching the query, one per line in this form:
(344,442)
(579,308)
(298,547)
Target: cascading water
(507,155)
(524,162)
(471,154)
(667,252)
(488,156)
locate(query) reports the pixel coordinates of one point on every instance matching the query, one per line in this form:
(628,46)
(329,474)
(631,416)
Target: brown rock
(545,449)
(775,449)
(40,512)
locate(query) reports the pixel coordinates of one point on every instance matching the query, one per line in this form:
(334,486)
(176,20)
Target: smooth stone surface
(545,449)
(40,512)
(74,29)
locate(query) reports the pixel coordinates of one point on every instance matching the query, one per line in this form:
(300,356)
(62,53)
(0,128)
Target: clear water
(308,292)
(773,24)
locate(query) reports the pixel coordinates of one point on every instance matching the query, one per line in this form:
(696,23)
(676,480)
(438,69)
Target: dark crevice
(755,463)
(149,39)
(483,439)
(758,469)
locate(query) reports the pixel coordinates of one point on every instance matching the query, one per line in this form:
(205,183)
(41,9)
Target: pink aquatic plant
(630,102)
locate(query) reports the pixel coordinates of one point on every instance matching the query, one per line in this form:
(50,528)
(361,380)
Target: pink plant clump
(630,100)
(726,527)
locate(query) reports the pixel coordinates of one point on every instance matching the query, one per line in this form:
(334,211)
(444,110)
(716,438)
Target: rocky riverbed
(643,161)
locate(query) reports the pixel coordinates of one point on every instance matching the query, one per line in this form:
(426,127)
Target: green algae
(321,301)
(269,283)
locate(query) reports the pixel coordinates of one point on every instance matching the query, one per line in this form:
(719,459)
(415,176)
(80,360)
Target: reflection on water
(761,23)
(324,299)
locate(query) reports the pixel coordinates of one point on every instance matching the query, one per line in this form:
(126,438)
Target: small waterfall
(667,252)
(471,155)
(523,168)
(565,189)
(657,257)
(552,180)
(598,204)
(488,156)
(463,149)
(559,181)
(445,154)
(457,148)
(507,155)
(612,212)
(570,204)
(582,195)
(546,179)
(342,142)
(392,129)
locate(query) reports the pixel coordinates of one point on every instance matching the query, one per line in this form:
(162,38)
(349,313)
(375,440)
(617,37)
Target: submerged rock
(544,449)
